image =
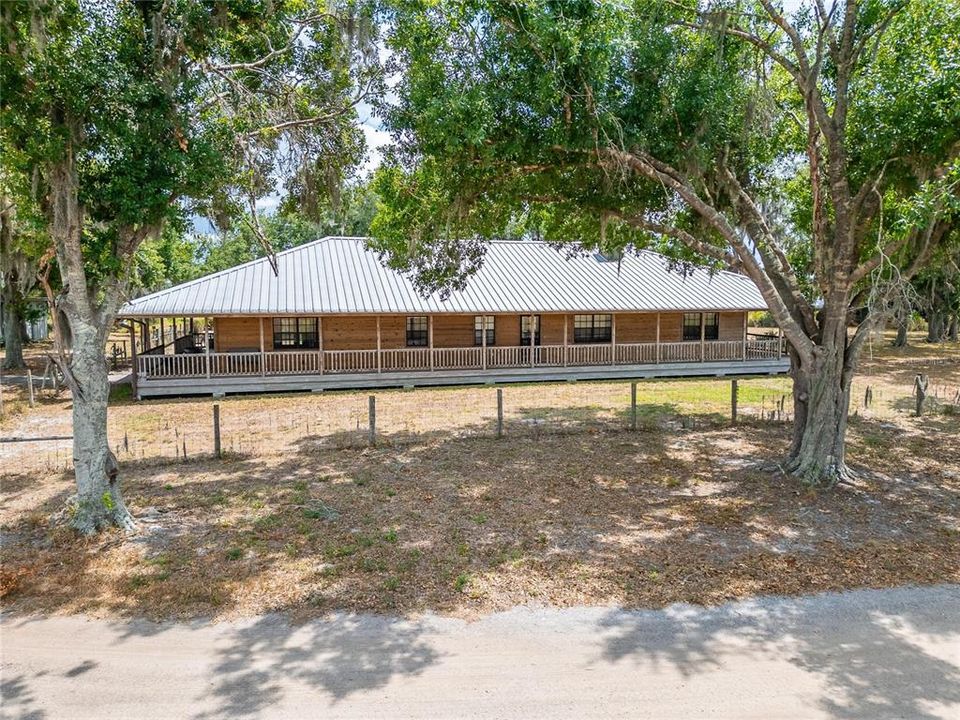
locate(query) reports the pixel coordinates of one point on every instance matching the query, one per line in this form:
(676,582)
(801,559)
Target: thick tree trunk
(12,330)
(954,322)
(935,326)
(99,502)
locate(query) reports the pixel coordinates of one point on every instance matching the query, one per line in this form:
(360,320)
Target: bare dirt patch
(568,508)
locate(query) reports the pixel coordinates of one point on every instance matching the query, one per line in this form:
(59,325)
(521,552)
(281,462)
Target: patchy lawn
(461,522)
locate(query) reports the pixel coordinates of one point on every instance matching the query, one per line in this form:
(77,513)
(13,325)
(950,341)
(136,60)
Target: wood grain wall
(359,332)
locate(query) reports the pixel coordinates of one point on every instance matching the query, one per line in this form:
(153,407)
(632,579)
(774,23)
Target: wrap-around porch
(192,364)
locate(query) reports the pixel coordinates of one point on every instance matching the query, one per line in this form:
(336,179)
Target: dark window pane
(417,331)
(525,329)
(292,333)
(479,322)
(711,326)
(691,326)
(592,328)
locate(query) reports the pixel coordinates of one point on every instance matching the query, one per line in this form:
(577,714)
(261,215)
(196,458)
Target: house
(334,316)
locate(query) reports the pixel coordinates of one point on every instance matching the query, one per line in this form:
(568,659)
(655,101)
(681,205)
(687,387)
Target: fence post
(372,436)
(30,385)
(633,406)
(216,429)
(920,383)
(499,412)
(733,401)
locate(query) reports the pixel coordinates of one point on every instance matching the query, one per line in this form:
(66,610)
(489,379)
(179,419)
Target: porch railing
(315,362)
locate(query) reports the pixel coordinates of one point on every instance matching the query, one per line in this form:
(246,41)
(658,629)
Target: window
(691,326)
(592,328)
(711,326)
(417,331)
(295,333)
(481,323)
(525,329)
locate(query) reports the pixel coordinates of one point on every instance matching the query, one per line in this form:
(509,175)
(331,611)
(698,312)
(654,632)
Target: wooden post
(430,339)
(372,432)
(206,344)
(779,340)
(565,322)
(703,316)
(658,338)
(320,341)
(744,352)
(533,337)
(263,357)
(633,406)
(613,338)
(379,363)
(30,385)
(483,341)
(163,337)
(499,412)
(216,429)
(733,401)
(133,360)
(920,383)
(1,389)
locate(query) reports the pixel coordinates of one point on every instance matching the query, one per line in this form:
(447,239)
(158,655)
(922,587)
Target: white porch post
(379,364)
(565,321)
(320,341)
(430,339)
(658,338)
(744,352)
(613,338)
(483,341)
(206,343)
(703,317)
(263,357)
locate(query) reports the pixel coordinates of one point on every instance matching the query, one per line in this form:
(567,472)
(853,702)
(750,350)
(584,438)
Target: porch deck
(257,372)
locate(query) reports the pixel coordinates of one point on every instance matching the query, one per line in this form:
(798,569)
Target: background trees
(726,132)
(125,117)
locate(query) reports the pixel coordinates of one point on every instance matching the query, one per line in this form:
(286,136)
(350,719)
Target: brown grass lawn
(457,521)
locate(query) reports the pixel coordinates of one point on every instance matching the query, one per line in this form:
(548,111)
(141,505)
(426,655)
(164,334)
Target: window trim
(599,331)
(491,322)
(303,339)
(537,330)
(417,336)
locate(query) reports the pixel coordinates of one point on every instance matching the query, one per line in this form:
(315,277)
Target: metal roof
(341,275)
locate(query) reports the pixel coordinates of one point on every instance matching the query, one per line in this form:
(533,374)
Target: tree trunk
(901,340)
(954,321)
(99,502)
(12,327)
(935,326)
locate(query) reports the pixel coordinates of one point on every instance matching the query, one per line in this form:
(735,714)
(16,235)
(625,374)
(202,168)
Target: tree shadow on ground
(867,660)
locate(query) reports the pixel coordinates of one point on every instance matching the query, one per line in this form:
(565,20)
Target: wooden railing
(315,362)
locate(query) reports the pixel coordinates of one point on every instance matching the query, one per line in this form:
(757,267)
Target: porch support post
(320,341)
(779,340)
(430,339)
(379,363)
(206,344)
(703,317)
(533,339)
(163,337)
(133,359)
(263,357)
(483,341)
(744,351)
(658,338)
(565,321)
(613,338)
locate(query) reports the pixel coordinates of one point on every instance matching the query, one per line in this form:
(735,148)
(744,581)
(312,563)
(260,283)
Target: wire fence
(253,426)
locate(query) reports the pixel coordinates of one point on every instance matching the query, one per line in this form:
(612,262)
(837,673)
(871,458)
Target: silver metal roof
(340,275)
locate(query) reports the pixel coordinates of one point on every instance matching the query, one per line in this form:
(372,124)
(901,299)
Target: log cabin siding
(359,332)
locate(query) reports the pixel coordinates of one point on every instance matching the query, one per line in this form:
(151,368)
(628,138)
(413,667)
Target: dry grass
(467,525)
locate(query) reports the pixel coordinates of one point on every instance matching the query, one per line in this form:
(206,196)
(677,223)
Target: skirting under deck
(171,386)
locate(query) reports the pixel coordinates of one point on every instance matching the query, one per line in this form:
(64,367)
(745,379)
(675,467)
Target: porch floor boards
(172,386)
